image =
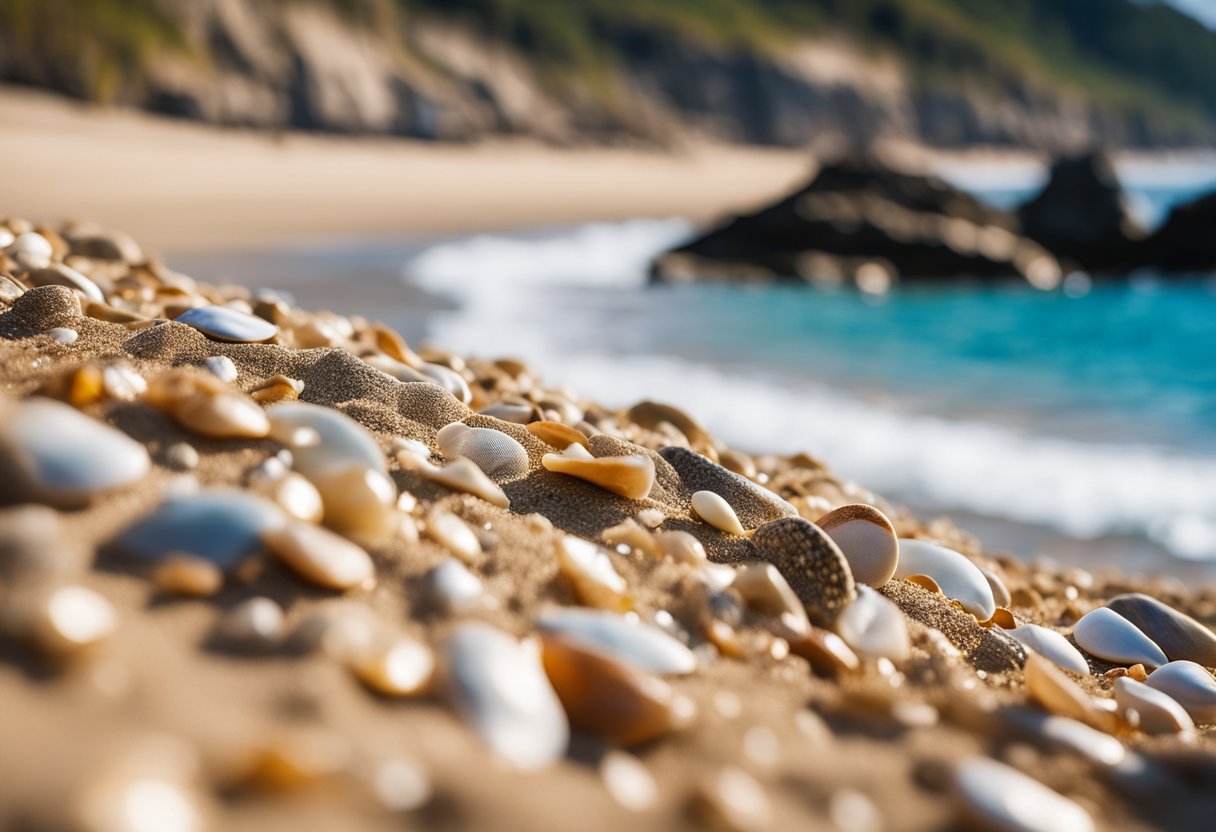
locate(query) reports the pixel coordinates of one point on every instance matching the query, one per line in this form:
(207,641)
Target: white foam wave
(505,288)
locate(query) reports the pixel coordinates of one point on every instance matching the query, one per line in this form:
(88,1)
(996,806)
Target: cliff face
(391,68)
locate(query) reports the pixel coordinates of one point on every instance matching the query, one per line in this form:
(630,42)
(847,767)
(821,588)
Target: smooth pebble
(1104,633)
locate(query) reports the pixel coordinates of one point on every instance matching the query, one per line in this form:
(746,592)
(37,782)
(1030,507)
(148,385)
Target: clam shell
(811,562)
(629,476)
(868,541)
(500,456)
(589,570)
(1106,634)
(622,639)
(319,556)
(874,627)
(958,577)
(221,526)
(226,324)
(1051,645)
(715,511)
(1190,685)
(1178,635)
(1158,712)
(994,796)
(500,689)
(753,504)
(54,454)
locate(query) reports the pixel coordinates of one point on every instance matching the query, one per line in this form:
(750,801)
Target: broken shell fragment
(629,476)
(464,475)
(557,435)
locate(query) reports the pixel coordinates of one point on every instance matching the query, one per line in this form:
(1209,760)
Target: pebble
(341,442)
(122,382)
(874,627)
(1190,685)
(1051,645)
(755,505)
(152,786)
(402,784)
(1178,635)
(1106,634)
(868,541)
(221,367)
(957,576)
(319,556)
(1060,732)
(714,510)
(359,502)
(610,699)
(811,562)
(403,667)
(589,570)
(622,638)
(628,781)
(206,406)
(57,274)
(63,335)
(500,456)
(222,526)
(681,547)
(826,652)
(187,576)
(993,796)
(31,249)
(294,494)
(255,624)
(182,456)
(32,546)
(226,324)
(500,689)
(453,534)
(54,454)
(72,619)
(1157,712)
(456,590)
(764,589)
(629,476)
(732,800)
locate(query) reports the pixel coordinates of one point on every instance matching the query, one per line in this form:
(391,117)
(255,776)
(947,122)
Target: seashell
(449,380)
(254,624)
(278,388)
(1190,685)
(51,453)
(557,435)
(220,526)
(319,556)
(452,533)
(500,689)
(1051,645)
(651,518)
(206,406)
(1178,635)
(402,784)
(610,699)
(221,367)
(732,800)
(650,415)
(874,627)
(811,562)
(632,535)
(63,335)
(868,541)
(1000,592)
(292,493)
(32,248)
(403,667)
(1106,634)
(187,576)
(629,476)
(623,639)
(359,503)
(681,547)
(122,383)
(72,619)
(764,589)
(225,324)
(390,342)
(500,456)
(456,590)
(991,795)
(958,577)
(461,475)
(1057,694)
(827,653)
(718,513)
(589,570)
(57,274)
(520,414)
(1066,734)
(628,781)
(754,504)
(1157,712)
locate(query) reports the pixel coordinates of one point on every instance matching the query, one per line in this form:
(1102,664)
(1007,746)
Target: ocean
(1076,427)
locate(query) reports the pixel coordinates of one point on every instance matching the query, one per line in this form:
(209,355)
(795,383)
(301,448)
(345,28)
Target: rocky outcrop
(1186,241)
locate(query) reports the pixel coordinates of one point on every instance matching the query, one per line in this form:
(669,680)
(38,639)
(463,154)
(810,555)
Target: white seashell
(873,626)
(453,534)
(1190,685)
(629,476)
(625,639)
(63,335)
(52,453)
(294,494)
(226,324)
(1051,645)
(464,475)
(681,547)
(32,247)
(1078,737)
(867,539)
(589,570)
(122,382)
(1108,635)
(221,526)
(320,556)
(500,456)
(717,512)
(221,367)
(74,618)
(6,237)
(994,796)
(764,588)
(342,442)
(1158,712)
(958,577)
(449,380)
(500,689)
(457,590)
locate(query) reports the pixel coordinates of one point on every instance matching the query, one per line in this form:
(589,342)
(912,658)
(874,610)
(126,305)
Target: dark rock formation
(1186,241)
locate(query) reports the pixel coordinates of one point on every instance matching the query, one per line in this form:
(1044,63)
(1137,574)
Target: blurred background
(961,250)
